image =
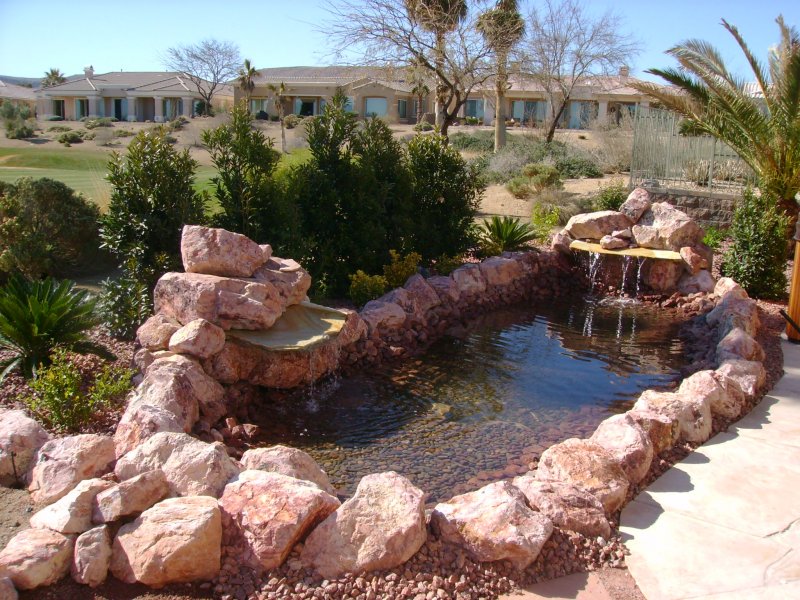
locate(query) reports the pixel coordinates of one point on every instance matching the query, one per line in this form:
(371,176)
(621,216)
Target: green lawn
(85,171)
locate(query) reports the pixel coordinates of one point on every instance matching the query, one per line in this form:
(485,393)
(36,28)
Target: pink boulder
(219,252)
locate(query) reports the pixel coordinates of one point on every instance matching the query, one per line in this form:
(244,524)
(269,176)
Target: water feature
(484,402)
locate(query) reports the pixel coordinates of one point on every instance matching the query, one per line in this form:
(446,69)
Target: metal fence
(663,157)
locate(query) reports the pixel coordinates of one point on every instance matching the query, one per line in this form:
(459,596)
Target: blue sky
(132,36)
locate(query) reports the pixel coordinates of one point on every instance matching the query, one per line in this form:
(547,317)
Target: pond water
(482,403)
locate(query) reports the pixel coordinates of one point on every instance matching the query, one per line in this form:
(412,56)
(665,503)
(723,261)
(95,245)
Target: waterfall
(626,263)
(639,274)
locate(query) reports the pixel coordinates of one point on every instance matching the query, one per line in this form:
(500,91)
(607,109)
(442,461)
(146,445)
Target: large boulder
(637,203)
(177,540)
(627,443)
(469,280)
(191,382)
(724,396)
(567,506)
(692,413)
(726,286)
(92,556)
(287,461)
(750,375)
(500,272)
(661,429)
(738,344)
(662,275)
(35,558)
(219,252)
(694,261)
(192,467)
(287,276)
(383,317)
(595,225)
(731,312)
(130,497)
(446,288)
(493,523)
(702,282)
(198,338)
(664,227)
(587,466)
(380,527)
(7,589)
(20,438)
(140,422)
(61,463)
(270,513)
(227,302)
(154,334)
(73,512)
(423,295)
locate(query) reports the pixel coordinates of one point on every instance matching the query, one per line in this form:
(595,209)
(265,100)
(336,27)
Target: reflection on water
(483,402)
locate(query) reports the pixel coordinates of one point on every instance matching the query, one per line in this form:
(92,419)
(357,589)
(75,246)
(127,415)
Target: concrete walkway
(724,523)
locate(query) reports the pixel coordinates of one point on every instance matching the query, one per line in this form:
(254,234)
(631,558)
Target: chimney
(88,71)
(624,71)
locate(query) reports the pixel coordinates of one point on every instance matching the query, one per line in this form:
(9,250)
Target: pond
(482,403)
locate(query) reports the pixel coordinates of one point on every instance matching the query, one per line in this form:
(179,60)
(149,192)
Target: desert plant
(520,187)
(17,120)
(611,195)
(614,143)
(697,171)
(566,205)
(400,268)
(64,402)
(38,316)
(291,121)
(99,122)
(542,176)
(574,167)
(123,133)
(544,218)
(423,126)
(478,141)
(364,288)
(58,129)
(757,257)
(505,234)
(70,137)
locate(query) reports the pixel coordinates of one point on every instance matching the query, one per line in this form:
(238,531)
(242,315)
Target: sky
(36,35)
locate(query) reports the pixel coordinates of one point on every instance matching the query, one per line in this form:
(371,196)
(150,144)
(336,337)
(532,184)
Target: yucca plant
(505,234)
(38,316)
(760,121)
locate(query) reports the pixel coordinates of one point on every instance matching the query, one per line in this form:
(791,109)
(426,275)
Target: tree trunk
(500,101)
(283,131)
(551,132)
(789,208)
(440,108)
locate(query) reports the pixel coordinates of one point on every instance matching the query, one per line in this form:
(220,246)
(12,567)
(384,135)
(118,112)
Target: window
(258,104)
(474,108)
(402,109)
(528,111)
(376,107)
(58,108)
(350,105)
(81,108)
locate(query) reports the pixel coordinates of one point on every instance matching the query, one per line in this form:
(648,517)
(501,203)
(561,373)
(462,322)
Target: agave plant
(38,316)
(504,234)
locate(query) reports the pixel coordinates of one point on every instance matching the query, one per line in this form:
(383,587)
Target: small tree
(53,77)
(208,65)
(565,45)
(246,79)
(277,94)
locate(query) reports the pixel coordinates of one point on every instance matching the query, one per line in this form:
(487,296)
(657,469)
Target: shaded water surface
(482,403)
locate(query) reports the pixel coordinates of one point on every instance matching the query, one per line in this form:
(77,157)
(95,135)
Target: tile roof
(16,92)
(145,81)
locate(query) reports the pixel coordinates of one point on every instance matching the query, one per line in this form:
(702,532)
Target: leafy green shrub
(21,131)
(574,167)
(520,187)
(364,288)
(611,195)
(423,126)
(400,268)
(478,141)
(64,402)
(46,228)
(757,257)
(504,234)
(444,264)
(714,238)
(544,218)
(124,305)
(86,135)
(99,122)
(291,121)
(38,316)
(472,121)
(262,115)
(70,137)
(542,176)
(55,118)
(58,129)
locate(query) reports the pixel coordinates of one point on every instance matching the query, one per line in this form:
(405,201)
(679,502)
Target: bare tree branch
(207,64)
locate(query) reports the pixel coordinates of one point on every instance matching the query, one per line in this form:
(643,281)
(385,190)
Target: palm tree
(439,17)
(247,75)
(419,86)
(502,27)
(277,92)
(763,128)
(53,77)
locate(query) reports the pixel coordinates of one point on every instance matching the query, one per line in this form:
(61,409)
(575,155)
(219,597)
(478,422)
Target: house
(370,91)
(17,94)
(125,95)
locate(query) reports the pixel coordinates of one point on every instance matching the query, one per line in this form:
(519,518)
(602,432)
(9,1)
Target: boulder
(20,438)
(738,344)
(287,276)
(198,338)
(748,374)
(191,381)
(7,589)
(609,242)
(595,225)
(664,227)
(177,540)
(446,288)
(691,413)
(693,260)
(662,275)
(587,466)
(425,297)
(154,334)
(92,556)
(661,429)
(500,272)
(140,422)
(380,527)
(724,395)
(561,242)
(493,523)
(405,300)
(625,234)
(567,506)
(731,312)
(469,279)
(226,302)
(219,252)
(701,282)
(35,558)
(270,513)
(73,512)
(383,317)
(637,203)
(287,461)
(61,463)
(726,285)
(627,443)
(130,497)
(192,467)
